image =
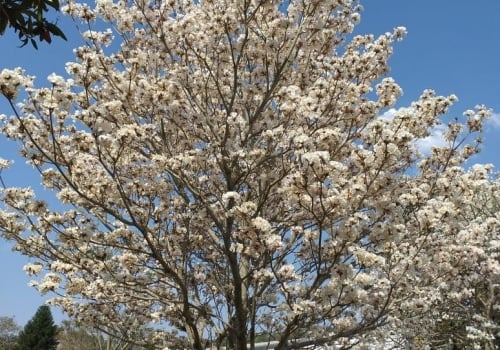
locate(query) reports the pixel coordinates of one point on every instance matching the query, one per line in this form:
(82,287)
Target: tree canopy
(9,330)
(75,336)
(225,173)
(28,19)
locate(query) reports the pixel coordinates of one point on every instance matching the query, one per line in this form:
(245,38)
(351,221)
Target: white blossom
(10,82)
(5,164)
(33,269)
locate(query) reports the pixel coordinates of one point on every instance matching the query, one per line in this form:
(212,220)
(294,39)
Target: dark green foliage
(27,18)
(40,332)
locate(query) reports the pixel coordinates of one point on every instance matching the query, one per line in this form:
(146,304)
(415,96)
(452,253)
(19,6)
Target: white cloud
(435,139)
(389,114)
(494,120)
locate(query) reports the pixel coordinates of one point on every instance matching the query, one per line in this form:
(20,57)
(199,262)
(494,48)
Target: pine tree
(40,332)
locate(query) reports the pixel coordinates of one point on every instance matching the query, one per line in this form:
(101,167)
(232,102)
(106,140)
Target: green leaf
(54,4)
(27,19)
(25,5)
(3,25)
(55,30)
(24,41)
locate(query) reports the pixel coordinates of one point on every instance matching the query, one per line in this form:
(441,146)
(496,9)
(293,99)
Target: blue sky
(452,47)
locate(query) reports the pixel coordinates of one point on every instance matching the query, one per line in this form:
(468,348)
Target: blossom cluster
(11,81)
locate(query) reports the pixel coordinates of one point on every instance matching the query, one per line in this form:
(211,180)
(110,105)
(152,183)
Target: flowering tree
(226,174)
(467,314)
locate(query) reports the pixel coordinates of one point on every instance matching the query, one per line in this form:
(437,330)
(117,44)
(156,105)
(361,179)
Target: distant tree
(9,330)
(40,333)
(27,18)
(74,335)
